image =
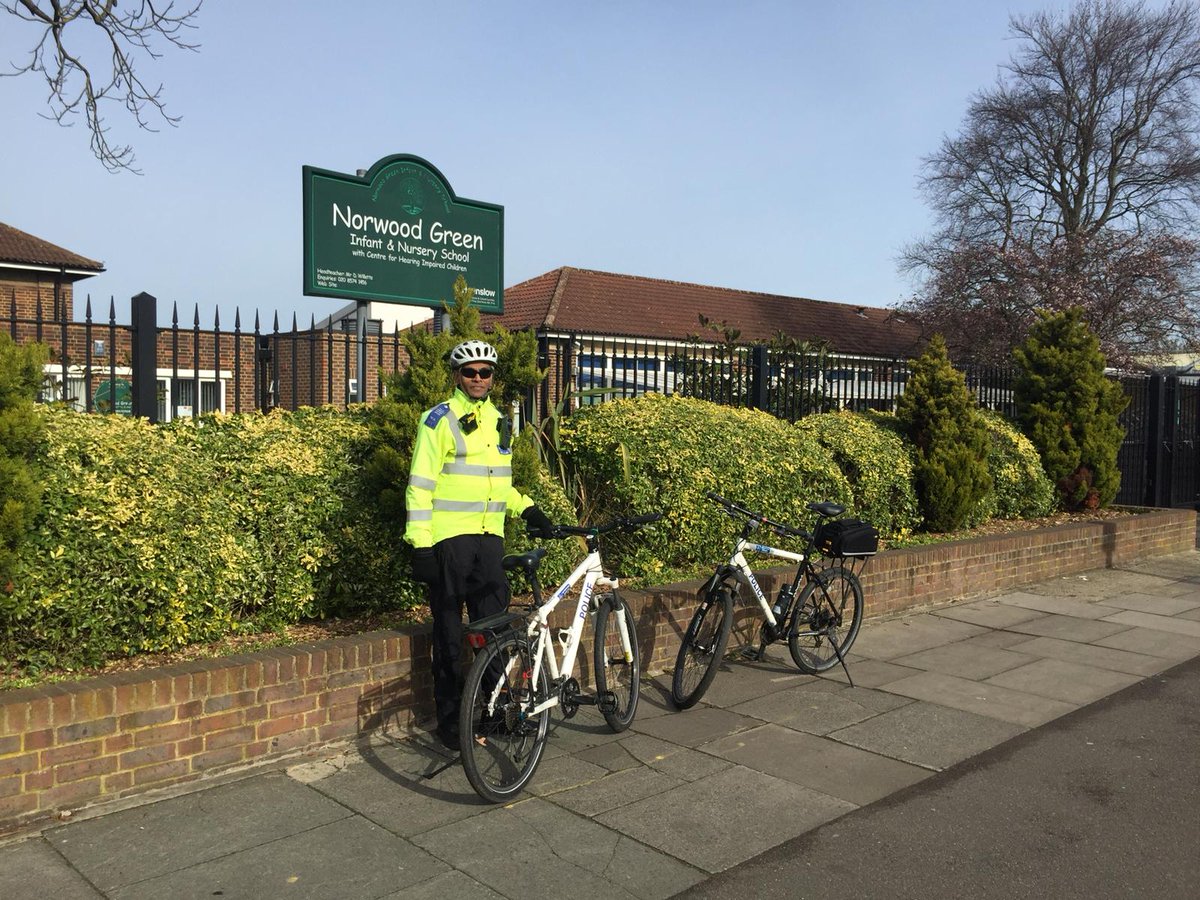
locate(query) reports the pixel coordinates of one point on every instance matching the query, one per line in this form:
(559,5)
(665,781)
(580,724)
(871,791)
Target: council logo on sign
(412,199)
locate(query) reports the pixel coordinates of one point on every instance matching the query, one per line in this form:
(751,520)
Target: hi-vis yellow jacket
(460,481)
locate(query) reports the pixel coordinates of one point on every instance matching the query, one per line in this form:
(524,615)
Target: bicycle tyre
(615,673)
(703,647)
(811,648)
(501,749)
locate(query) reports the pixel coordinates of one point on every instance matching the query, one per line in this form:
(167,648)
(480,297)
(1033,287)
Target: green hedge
(152,537)
(1020,487)
(877,464)
(664,453)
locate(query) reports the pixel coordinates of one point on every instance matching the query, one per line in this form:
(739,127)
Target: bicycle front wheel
(703,647)
(618,667)
(830,609)
(500,738)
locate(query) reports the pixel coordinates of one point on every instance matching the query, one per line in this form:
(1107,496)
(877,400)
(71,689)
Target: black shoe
(448,735)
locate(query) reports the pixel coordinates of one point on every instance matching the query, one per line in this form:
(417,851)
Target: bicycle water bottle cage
(827,509)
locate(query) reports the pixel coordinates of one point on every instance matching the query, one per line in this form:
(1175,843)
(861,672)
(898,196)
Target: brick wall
(65,746)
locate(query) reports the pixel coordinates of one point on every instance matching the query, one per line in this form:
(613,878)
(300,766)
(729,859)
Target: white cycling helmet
(472,351)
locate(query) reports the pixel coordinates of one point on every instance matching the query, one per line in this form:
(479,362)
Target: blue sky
(768,146)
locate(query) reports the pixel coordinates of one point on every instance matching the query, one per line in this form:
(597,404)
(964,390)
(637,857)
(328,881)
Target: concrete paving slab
(966,660)
(726,819)
(817,712)
(534,848)
(1001,640)
(1092,655)
(655,698)
(1109,582)
(612,757)
(615,790)
(1066,681)
(988,613)
(738,681)
(349,859)
(1191,615)
(1069,628)
(586,729)
(31,870)
(695,726)
(1156,622)
(1059,606)
(679,762)
(901,637)
(929,735)
(387,785)
(867,673)
(1002,703)
(830,767)
(563,773)
(1153,642)
(1153,603)
(158,838)
(450,884)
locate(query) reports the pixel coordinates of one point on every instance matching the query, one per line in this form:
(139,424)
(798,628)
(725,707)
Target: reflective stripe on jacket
(460,481)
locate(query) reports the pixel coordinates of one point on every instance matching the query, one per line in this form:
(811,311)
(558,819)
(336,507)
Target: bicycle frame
(538,630)
(738,561)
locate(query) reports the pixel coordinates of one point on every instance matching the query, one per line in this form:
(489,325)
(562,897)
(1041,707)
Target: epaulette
(436,414)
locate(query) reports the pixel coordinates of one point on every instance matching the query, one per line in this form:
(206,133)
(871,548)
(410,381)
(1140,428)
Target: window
(212,397)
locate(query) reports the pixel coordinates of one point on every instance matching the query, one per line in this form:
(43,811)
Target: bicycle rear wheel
(824,616)
(703,647)
(501,742)
(617,672)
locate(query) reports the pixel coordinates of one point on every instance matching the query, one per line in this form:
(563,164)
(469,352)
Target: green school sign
(399,235)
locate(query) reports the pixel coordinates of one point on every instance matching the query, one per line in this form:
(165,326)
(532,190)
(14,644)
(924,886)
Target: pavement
(693,801)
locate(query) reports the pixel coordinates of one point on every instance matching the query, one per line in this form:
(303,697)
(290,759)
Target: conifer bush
(1070,410)
(950,441)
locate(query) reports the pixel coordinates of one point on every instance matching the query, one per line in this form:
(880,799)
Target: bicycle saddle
(827,509)
(526,562)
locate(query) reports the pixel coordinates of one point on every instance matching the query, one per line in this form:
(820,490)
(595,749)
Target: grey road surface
(1101,803)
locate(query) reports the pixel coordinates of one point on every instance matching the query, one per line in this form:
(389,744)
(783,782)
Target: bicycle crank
(570,698)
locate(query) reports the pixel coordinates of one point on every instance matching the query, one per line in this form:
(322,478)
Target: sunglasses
(468,372)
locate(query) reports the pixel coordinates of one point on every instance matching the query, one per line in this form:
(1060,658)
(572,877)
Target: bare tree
(78,86)
(1075,178)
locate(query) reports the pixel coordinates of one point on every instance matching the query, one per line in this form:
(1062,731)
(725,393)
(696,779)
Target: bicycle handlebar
(733,508)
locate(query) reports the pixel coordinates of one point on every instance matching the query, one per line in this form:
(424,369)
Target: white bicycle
(516,678)
(819,626)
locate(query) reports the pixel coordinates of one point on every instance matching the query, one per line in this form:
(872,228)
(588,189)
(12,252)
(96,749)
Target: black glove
(536,521)
(424,565)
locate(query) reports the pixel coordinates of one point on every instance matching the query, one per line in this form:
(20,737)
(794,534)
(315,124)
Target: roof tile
(591,302)
(18,247)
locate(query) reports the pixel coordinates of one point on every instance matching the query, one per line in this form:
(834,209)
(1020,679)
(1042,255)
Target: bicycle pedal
(606,702)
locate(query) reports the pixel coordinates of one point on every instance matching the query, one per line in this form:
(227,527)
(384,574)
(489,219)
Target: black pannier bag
(847,537)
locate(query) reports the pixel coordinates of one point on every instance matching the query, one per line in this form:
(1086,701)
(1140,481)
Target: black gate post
(760,376)
(144,319)
(1158,465)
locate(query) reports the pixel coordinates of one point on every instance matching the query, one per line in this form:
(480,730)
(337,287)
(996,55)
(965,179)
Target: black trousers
(469,575)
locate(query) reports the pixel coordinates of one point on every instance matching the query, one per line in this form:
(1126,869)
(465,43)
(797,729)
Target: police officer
(459,491)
